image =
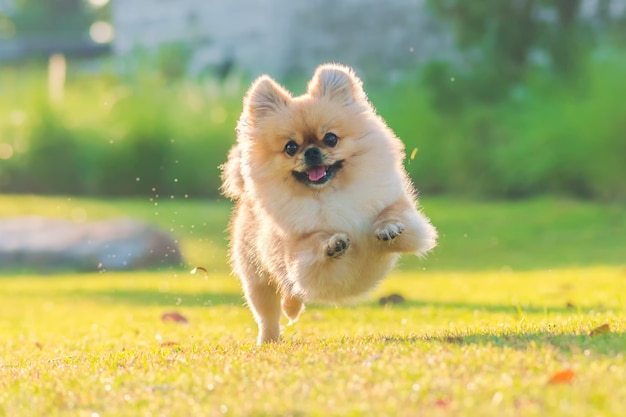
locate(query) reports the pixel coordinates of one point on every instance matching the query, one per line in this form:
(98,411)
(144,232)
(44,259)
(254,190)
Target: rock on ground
(44,244)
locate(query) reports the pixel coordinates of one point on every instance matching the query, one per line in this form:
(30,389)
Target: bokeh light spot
(101,32)
(6,151)
(98,3)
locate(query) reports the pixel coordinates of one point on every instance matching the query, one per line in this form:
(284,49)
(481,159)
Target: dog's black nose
(313,156)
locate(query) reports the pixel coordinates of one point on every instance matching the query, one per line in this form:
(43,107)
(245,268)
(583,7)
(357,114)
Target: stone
(391,299)
(45,244)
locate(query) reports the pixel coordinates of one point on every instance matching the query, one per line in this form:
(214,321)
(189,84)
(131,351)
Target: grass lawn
(504,305)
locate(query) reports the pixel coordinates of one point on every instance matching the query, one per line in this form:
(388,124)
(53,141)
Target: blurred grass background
(505,236)
(112,136)
(528,104)
(115,135)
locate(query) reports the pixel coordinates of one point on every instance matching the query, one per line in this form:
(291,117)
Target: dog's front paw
(337,245)
(390,231)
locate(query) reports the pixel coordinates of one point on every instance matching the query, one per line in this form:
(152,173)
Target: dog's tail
(232,180)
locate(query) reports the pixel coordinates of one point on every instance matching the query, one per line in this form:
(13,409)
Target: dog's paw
(389,231)
(337,245)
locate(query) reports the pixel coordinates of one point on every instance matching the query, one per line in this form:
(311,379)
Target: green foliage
(173,60)
(530,106)
(569,140)
(47,18)
(53,159)
(501,40)
(150,134)
(118,137)
(552,136)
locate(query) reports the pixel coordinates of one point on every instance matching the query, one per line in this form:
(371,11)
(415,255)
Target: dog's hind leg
(264,301)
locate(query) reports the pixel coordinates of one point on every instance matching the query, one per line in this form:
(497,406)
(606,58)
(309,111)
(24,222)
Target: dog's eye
(330,139)
(291,148)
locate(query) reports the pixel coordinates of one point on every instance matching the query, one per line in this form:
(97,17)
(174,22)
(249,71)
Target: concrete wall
(382,36)
(284,36)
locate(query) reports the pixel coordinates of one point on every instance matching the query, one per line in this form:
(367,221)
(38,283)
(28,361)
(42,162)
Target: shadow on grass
(608,344)
(490,308)
(159,298)
(204,299)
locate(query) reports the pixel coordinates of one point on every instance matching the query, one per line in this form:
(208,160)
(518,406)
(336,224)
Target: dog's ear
(337,82)
(265,96)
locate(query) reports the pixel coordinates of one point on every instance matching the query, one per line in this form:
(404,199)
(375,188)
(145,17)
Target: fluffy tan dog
(323,204)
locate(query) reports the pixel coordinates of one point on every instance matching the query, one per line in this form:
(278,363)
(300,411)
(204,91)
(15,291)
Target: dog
(323,205)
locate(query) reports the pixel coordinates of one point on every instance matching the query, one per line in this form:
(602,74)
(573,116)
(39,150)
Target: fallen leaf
(600,330)
(562,377)
(169,344)
(200,268)
(454,339)
(442,403)
(391,299)
(175,317)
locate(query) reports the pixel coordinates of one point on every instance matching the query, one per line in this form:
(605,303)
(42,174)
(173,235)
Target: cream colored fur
(292,243)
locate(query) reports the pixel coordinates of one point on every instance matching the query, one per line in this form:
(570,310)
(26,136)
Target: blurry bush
(550,136)
(148,134)
(530,105)
(500,40)
(115,137)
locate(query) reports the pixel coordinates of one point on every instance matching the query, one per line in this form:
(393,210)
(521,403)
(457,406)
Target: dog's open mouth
(318,175)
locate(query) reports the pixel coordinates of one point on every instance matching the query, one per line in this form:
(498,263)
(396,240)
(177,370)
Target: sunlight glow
(98,3)
(101,32)
(6,151)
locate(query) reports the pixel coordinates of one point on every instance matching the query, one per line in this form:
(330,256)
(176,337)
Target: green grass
(509,235)
(484,326)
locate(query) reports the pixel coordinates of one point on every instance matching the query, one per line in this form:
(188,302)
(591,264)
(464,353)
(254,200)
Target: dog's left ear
(265,96)
(337,82)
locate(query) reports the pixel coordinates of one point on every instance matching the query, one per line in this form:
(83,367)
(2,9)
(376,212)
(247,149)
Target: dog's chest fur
(337,212)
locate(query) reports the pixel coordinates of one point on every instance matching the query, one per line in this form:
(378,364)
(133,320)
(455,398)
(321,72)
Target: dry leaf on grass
(442,403)
(562,377)
(200,268)
(600,330)
(174,317)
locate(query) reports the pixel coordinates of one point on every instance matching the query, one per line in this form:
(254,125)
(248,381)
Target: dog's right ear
(265,96)
(337,82)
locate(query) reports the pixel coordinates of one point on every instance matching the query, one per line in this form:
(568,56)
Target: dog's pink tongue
(316,173)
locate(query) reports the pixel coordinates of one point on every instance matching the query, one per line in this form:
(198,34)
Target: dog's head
(307,141)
